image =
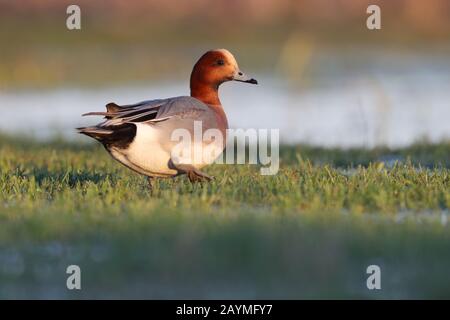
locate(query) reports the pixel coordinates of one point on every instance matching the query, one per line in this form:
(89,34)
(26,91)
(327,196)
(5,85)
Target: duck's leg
(198,176)
(150,184)
(193,173)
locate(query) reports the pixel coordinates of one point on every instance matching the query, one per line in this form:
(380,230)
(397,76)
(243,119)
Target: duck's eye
(220,62)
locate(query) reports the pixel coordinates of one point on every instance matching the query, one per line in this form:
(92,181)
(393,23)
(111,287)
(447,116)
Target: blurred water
(385,108)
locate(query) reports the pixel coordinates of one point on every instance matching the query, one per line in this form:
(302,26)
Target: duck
(140,135)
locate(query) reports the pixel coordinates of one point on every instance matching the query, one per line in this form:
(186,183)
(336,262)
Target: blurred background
(308,232)
(325,79)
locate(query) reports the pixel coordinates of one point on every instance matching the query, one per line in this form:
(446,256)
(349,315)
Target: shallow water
(379,104)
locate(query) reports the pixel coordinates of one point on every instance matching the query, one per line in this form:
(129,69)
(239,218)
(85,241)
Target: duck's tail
(118,136)
(97,133)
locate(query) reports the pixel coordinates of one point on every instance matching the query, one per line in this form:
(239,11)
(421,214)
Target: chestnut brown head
(216,67)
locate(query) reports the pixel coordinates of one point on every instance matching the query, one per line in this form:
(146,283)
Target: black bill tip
(252,81)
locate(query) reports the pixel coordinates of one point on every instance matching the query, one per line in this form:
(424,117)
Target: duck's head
(216,67)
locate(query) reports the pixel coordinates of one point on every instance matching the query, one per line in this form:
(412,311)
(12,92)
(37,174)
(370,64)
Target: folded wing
(151,111)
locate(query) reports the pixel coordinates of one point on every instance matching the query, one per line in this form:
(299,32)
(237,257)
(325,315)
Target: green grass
(308,232)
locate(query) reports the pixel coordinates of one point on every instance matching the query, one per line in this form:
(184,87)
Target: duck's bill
(242,77)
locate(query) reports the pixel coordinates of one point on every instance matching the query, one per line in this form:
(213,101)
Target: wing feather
(150,111)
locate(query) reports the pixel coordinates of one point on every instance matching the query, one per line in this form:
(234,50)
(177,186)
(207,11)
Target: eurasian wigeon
(140,135)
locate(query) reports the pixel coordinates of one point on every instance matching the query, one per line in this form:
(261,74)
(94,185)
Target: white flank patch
(145,154)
